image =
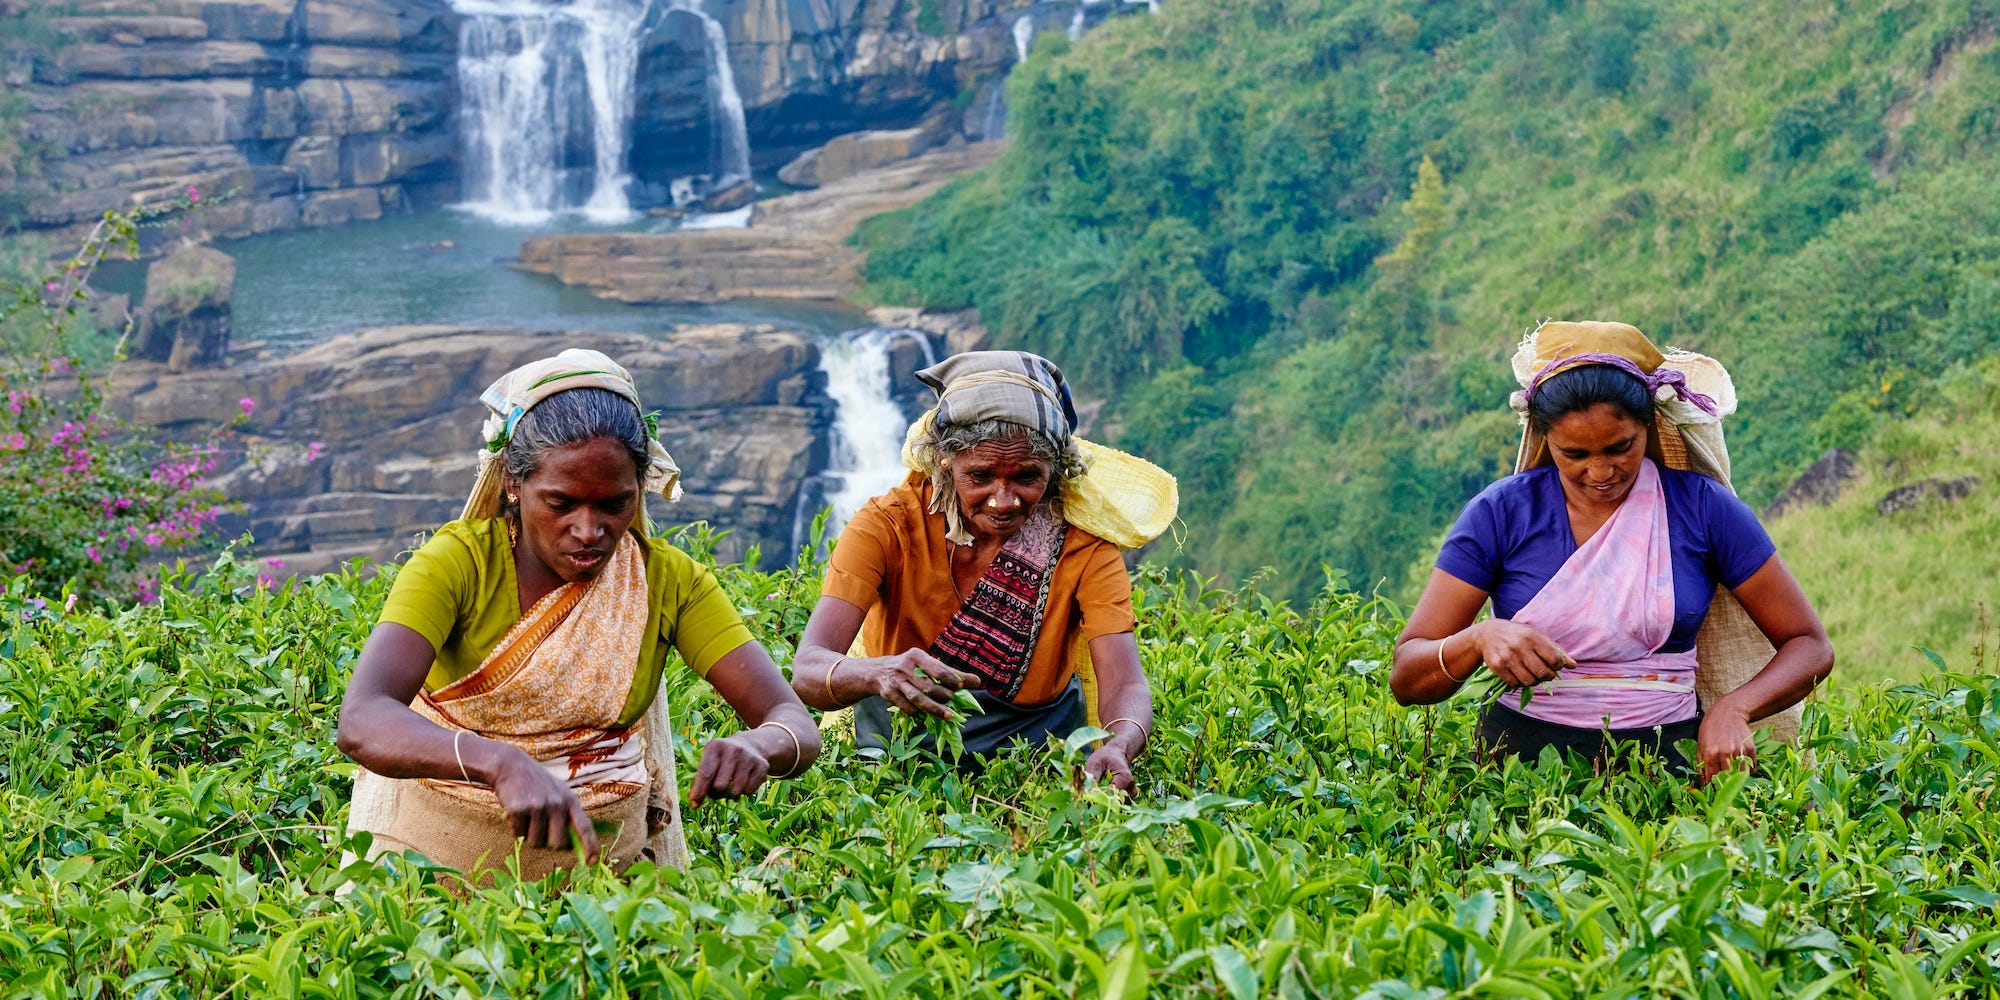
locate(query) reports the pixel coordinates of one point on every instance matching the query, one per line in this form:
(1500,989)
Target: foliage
(1921,574)
(170,777)
(88,502)
(1795,189)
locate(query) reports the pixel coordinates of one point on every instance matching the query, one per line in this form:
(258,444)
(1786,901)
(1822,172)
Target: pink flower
(152,539)
(249,405)
(275,563)
(264,582)
(193,195)
(313,450)
(51,286)
(17,441)
(91,551)
(59,366)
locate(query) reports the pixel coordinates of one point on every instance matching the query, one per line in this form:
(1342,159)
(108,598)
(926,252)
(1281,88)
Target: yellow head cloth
(1687,436)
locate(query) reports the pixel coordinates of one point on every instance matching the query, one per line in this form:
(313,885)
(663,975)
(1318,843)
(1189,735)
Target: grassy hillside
(175,804)
(1217,218)
(1927,575)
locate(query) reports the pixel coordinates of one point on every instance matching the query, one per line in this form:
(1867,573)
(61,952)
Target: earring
(513,499)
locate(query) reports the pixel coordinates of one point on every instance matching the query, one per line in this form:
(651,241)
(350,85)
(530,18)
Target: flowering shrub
(87,500)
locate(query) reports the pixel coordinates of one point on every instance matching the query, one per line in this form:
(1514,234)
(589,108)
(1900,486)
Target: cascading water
(520,65)
(548,84)
(1024,37)
(729,155)
(868,425)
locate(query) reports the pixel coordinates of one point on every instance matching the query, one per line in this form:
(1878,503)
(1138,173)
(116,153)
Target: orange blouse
(894,562)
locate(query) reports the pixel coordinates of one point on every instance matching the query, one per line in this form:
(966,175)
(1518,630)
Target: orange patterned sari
(554,687)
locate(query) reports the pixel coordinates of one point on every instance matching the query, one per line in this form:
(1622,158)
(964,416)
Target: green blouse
(458,591)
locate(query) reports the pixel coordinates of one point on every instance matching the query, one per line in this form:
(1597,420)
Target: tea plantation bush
(172,796)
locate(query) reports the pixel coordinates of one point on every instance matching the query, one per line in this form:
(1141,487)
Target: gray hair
(943,442)
(574,416)
(948,441)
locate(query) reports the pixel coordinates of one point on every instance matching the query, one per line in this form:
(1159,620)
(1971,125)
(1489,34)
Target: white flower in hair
(491,431)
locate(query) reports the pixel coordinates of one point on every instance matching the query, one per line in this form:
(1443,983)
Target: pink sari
(1611,607)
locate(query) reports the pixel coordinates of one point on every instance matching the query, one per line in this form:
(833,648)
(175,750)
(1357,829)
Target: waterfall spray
(868,426)
(729,154)
(544,80)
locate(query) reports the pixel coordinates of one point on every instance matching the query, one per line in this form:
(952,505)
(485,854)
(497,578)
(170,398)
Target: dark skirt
(1506,732)
(987,732)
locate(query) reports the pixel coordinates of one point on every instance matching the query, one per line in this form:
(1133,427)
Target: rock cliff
(313,111)
(320,112)
(360,443)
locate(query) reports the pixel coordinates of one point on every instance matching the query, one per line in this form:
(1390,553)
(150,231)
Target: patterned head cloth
(515,393)
(1014,386)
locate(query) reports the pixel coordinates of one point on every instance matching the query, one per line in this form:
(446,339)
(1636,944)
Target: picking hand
(917,682)
(1109,763)
(1520,655)
(542,809)
(1723,741)
(730,768)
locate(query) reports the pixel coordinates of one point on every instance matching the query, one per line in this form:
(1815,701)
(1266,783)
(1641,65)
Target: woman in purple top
(1600,567)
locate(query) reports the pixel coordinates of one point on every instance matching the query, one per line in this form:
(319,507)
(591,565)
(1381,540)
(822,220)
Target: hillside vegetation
(1293,241)
(175,799)
(1922,575)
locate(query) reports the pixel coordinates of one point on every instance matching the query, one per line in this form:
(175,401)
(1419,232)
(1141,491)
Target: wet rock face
(318,112)
(811,70)
(311,111)
(363,442)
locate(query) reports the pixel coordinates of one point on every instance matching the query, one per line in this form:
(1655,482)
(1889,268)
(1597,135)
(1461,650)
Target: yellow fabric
(1121,498)
(459,592)
(1124,500)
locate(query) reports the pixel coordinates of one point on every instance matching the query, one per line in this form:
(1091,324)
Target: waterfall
(547,84)
(1024,37)
(729,153)
(866,458)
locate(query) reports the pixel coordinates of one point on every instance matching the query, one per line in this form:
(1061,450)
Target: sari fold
(1611,607)
(555,688)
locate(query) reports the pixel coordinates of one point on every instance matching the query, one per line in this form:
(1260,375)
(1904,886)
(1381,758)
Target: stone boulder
(362,443)
(1821,483)
(185,319)
(1943,490)
(143,99)
(855,153)
(731,198)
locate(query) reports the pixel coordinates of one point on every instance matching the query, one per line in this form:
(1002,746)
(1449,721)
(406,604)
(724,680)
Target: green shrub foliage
(1228,205)
(174,796)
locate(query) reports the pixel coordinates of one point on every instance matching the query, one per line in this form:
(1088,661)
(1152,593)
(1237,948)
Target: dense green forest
(1292,242)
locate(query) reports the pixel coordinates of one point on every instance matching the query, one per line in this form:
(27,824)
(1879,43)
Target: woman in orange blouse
(968,577)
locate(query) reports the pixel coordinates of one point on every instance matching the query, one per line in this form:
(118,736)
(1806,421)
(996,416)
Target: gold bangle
(831,698)
(1145,735)
(1446,671)
(798,750)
